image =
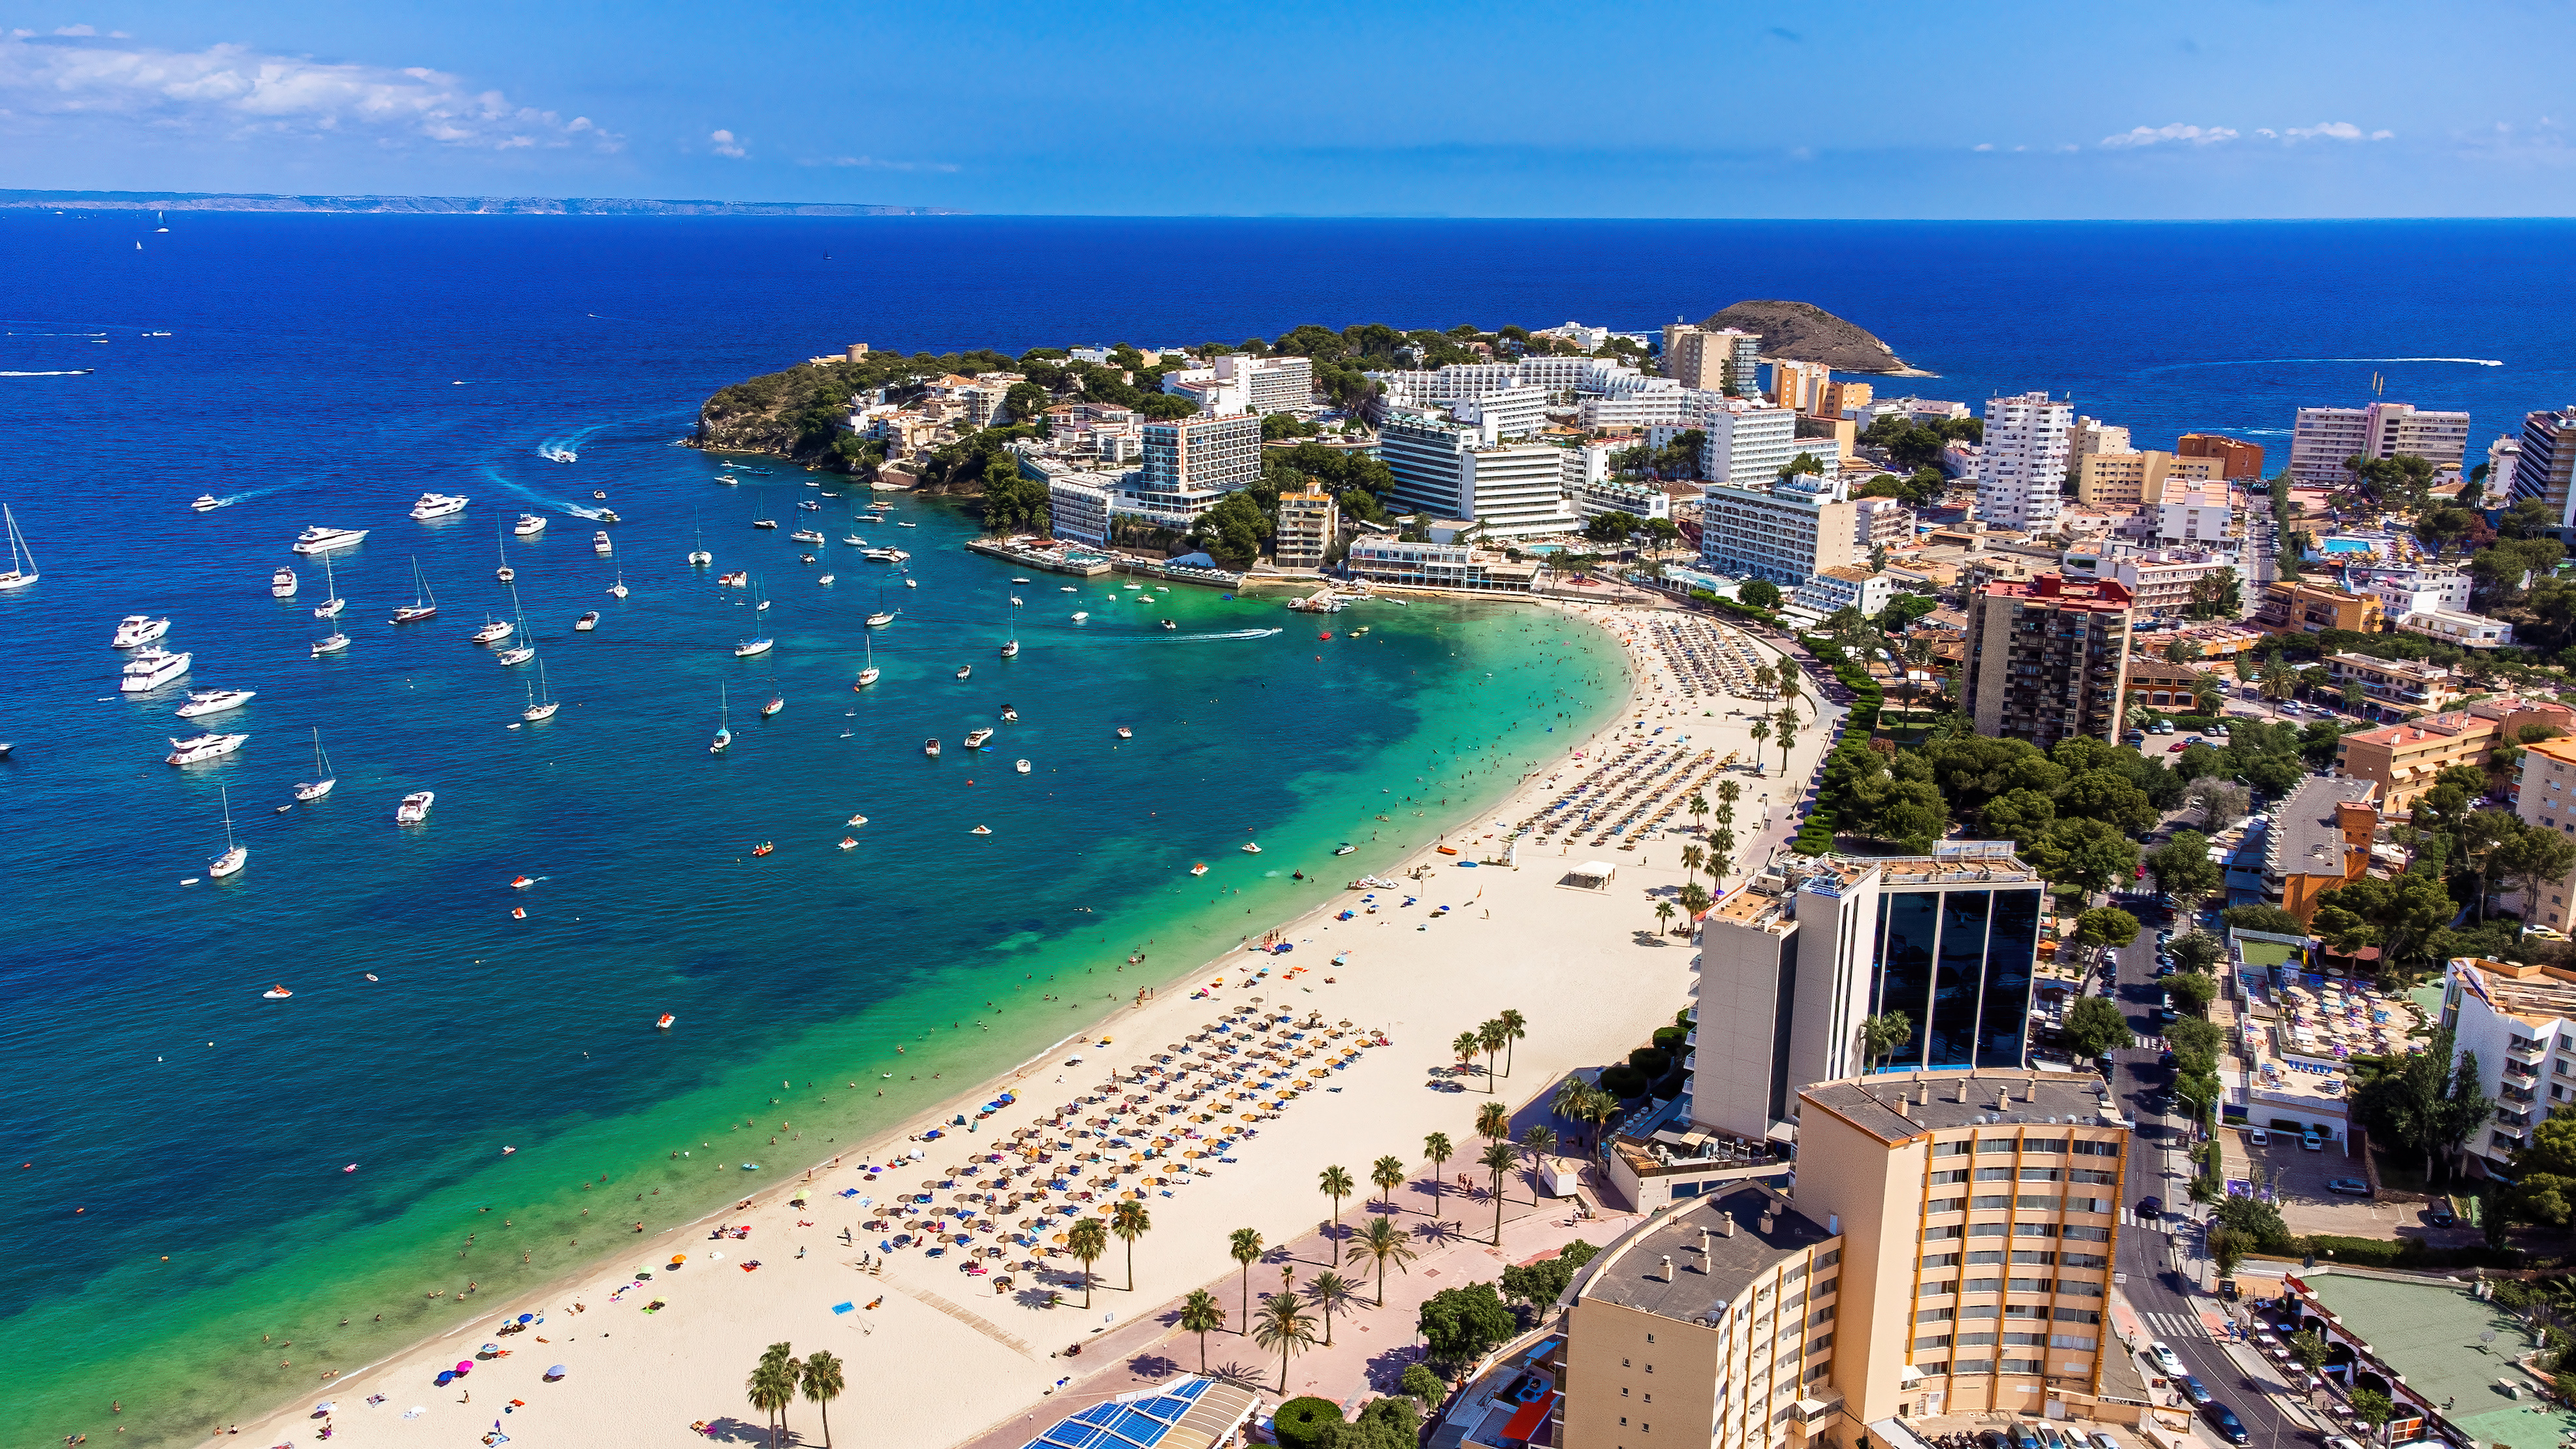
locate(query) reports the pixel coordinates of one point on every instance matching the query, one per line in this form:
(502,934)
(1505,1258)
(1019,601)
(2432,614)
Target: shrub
(1624,1081)
(1423,1384)
(1302,1423)
(1650,1062)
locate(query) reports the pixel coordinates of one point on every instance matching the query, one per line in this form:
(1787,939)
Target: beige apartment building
(2544,794)
(2404,759)
(2136,480)
(1307,523)
(1948,1250)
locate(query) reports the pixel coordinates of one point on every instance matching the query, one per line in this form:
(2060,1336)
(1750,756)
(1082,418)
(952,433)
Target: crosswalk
(2170,1326)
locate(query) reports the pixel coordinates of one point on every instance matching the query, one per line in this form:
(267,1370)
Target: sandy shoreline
(965,1358)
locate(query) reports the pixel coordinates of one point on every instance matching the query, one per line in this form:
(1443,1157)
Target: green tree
(1331,1293)
(2084,852)
(2535,861)
(1664,914)
(1515,1027)
(1759,731)
(1390,1423)
(2370,1407)
(1283,1327)
(1436,1146)
(1884,1033)
(2308,1349)
(2106,926)
(825,1379)
(2192,991)
(1383,1243)
(1493,1037)
(1335,1183)
(1201,1314)
(1088,1241)
(1759,593)
(1129,1221)
(772,1386)
(1458,1325)
(1464,1047)
(1244,1246)
(1388,1173)
(1423,1384)
(1499,1159)
(2094,1025)
(2183,870)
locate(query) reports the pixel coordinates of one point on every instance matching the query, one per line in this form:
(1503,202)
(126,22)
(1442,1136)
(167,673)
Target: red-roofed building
(2048,658)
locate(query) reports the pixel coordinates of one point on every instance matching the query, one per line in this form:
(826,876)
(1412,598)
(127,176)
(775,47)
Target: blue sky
(2002,109)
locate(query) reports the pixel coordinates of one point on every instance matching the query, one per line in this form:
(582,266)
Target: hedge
(2402,1253)
(1300,1422)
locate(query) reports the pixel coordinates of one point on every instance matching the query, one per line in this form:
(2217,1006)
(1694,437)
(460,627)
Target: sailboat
(22,561)
(501,541)
(724,725)
(521,652)
(541,700)
(883,616)
(234,856)
(320,785)
(777,701)
(423,605)
(618,589)
(1011,645)
(699,557)
(332,603)
(758,643)
(160,222)
(868,675)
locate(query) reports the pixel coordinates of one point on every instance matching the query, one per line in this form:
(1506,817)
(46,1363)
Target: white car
(2165,1361)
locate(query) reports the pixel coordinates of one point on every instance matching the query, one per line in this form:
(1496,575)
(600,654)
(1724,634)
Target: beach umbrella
(323,1407)
(464,1368)
(556,1372)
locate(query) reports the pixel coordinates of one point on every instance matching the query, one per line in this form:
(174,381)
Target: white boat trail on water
(2276,361)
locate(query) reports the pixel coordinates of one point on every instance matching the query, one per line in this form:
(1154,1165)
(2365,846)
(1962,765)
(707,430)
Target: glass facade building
(1957,962)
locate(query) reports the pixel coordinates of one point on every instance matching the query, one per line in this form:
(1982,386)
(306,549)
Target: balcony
(2529,1053)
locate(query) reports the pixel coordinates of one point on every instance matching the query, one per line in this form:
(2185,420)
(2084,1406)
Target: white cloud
(1983,146)
(726,145)
(873,163)
(2177,132)
(74,30)
(2334,131)
(233,90)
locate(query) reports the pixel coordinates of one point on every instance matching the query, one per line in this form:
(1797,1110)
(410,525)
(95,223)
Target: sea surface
(214,1181)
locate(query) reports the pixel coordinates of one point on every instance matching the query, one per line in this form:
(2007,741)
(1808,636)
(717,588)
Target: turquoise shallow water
(200,1239)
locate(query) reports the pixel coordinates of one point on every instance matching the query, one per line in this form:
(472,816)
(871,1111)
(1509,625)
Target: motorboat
(561,455)
(975,738)
(320,785)
(586,622)
(1198,869)
(599,494)
(981,830)
(764,523)
(807,535)
(858,820)
(665,1023)
(600,545)
(317,539)
(1018,580)
(1125,733)
(282,584)
(22,560)
(207,503)
(606,515)
(529,525)
(214,701)
(763,848)
(963,670)
(1080,615)
(235,856)
(900,524)
(204,747)
(276,993)
(415,807)
(136,630)
(493,632)
(825,581)
(912,583)
(749,647)
(334,642)
(880,618)
(1345,848)
(1020,765)
(151,669)
(930,748)
(728,480)
(808,504)
(853,540)
(738,579)
(883,555)
(618,590)
(1068,589)
(806,559)
(439,505)
(1249,848)
(1010,715)
(423,605)
(849,842)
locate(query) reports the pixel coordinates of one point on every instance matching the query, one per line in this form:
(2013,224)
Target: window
(2035,1200)
(2044,1260)
(1996,1202)
(1994,1174)
(1984,1285)
(2078,1315)
(2039,1174)
(2084,1260)
(1933,1340)
(1994,1144)
(1985,1256)
(2029,1285)
(1945,1179)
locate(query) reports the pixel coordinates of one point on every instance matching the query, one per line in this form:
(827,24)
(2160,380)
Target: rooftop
(1634,1271)
(2536,994)
(1884,1106)
(2076,593)
(2306,839)
(1191,1414)
(2435,1335)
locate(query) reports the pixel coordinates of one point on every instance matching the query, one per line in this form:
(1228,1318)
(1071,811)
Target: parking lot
(2299,1177)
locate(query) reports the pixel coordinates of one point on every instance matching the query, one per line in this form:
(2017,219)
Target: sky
(1975,109)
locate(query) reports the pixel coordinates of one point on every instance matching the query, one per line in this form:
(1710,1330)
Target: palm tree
(1664,913)
(768,1391)
(1335,1183)
(1464,1047)
(1383,1242)
(1500,1157)
(1761,731)
(1761,678)
(1493,1039)
(1436,1147)
(1201,1314)
(1728,792)
(1331,1293)
(1539,1141)
(824,1382)
(1691,857)
(1721,854)
(1698,805)
(1568,1101)
(1493,1120)
(1282,1327)
(1788,732)
(1515,1026)
(1130,1221)
(1245,1247)
(1087,1242)
(1388,1173)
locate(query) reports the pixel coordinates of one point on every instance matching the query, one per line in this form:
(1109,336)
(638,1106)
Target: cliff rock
(1804,332)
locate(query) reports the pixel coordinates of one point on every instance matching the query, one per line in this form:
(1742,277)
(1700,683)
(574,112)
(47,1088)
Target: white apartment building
(2324,437)
(1553,376)
(2521,1023)
(1845,586)
(1746,444)
(1437,566)
(1590,499)
(1787,530)
(1235,384)
(1078,507)
(1671,406)
(2022,464)
(1450,468)
(2404,589)
(2194,520)
(1192,462)
(2159,581)
(1505,412)
(2469,631)
(1881,523)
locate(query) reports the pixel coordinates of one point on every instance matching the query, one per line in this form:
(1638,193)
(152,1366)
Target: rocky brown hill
(1805,332)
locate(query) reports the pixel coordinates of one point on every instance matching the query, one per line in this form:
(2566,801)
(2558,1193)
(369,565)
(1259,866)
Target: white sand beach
(934,1354)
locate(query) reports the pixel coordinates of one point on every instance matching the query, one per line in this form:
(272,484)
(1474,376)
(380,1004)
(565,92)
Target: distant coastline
(441,205)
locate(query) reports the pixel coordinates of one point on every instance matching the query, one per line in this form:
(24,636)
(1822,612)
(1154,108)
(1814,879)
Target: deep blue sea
(185,1142)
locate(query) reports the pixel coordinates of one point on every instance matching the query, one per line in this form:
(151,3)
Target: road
(2167,1279)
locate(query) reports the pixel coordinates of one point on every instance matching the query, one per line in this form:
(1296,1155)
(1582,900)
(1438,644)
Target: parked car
(2103,1440)
(2349,1187)
(2021,1436)
(2049,1436)
(2440,1214)
(2224,1420)
(2135,737)
(2163,1355)
(2193,1390)
(2312,1141)
(1992,1439)
(2257,1137)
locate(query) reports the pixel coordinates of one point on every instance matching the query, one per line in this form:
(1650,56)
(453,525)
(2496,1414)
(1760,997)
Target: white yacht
(586,622)
(320,785)
(151,669)
(975,738)
(880,618)
(334,642)
(699,557)
(318,539)
(493,632)
(600,545)
(515,655)
(414,807)
(439,505)
(22,560)
(529,525)
(214,701)
(203,747)
(1020,765)
(207,503)
(885,555)
(332,603)
(234,856)
(283,584)
(749,647)
(136,630)
(868,675)
(807,535)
